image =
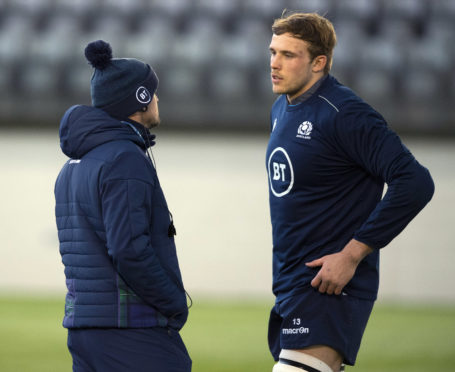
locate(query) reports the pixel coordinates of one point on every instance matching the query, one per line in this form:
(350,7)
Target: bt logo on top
(278,171)
(281,172)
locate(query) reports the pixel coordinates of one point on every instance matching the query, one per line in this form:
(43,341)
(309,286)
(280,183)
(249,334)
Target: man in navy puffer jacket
(126,302)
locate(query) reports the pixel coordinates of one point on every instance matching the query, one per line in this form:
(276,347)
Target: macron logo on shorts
(295,331)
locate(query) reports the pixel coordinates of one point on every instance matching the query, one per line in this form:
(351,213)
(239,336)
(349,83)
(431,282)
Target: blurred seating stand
(212,55)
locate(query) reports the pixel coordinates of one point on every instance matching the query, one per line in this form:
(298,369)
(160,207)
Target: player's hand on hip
(338,269)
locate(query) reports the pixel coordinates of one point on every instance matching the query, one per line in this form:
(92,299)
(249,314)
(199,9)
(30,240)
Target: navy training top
(328,159)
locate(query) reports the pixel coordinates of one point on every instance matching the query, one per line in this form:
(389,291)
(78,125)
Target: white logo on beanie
(143,95)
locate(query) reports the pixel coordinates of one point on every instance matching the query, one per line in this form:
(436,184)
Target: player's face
(293,71)
(151,117)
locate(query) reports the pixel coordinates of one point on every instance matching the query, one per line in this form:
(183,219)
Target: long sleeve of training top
(365,138)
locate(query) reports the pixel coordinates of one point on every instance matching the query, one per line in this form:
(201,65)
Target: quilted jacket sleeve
(128,200)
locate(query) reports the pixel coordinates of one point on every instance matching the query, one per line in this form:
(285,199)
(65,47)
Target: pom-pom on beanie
(119,86)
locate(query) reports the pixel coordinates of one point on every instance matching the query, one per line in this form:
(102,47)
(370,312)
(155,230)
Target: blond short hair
(316,30)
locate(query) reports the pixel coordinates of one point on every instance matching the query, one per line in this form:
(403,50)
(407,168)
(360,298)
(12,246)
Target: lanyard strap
(135,129)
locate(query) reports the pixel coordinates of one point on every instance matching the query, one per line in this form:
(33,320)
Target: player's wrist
(357,251)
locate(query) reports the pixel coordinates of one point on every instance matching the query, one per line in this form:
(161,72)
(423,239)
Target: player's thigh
(326,354)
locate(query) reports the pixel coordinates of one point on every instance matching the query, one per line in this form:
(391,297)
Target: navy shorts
(129,349)
(312,318)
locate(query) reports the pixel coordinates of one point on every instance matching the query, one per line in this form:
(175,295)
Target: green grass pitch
(230,336)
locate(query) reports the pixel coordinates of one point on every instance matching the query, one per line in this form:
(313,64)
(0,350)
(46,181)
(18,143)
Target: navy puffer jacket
(113,224)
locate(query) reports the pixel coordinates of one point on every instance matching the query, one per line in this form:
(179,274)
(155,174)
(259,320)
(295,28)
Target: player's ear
(319,63)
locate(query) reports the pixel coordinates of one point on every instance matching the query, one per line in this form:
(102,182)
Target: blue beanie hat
(119,86)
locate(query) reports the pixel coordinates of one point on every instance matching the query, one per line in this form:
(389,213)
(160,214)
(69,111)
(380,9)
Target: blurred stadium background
(215,95)
(212,56)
